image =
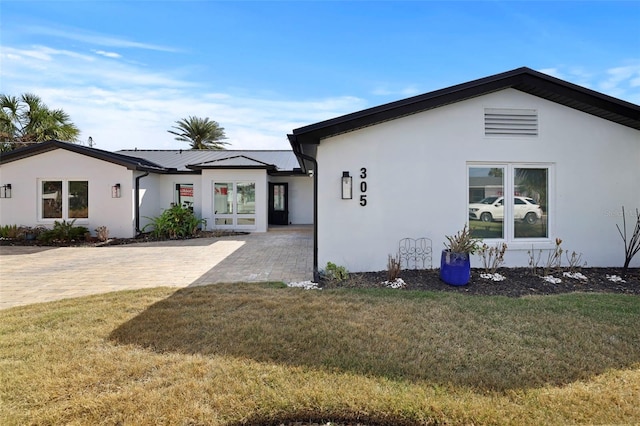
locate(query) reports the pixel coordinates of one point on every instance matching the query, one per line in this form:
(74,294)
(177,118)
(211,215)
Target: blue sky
(126,71)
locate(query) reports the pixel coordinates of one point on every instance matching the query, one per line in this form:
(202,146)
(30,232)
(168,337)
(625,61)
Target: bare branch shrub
(632,245)
(102,232)
(393,268)
(492,257)
(575,261)
(552,263)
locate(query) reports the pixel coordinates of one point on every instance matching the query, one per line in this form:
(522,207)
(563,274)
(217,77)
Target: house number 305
(363,187)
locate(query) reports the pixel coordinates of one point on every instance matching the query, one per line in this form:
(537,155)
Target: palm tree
(201,133)
(27,120)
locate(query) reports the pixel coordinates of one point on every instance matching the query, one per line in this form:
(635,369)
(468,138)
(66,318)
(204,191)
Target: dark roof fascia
(131,163)
(258,167)
(181,172)
(298,172)
(212,164)
(523,79)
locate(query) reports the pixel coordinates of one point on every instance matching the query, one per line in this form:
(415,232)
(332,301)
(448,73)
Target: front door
(278,203)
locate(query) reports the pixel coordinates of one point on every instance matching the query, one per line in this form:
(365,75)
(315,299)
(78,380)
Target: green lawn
(228,354)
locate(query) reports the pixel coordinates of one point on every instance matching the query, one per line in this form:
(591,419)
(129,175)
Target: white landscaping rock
(307,285)
(493,277)
(397,283)
(574,275)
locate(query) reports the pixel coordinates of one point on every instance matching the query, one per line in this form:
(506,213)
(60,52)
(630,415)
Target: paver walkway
(35,274)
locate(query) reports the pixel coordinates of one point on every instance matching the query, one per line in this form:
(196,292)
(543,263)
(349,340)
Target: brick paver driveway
(33,274)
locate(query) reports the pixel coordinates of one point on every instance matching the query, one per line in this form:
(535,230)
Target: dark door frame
(278,217)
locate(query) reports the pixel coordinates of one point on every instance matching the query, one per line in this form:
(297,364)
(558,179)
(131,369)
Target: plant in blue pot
(455,262)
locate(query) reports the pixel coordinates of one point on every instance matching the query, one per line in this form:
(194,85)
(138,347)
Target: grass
(262,354)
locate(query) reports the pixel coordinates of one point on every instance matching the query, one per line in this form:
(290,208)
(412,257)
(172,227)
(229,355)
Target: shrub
(492,257)
(102,232)
(175,222)
(462,242)
(31,233)
(552,263)
(632,245)
(393,268)
(335,272)
(64,231)
(9,231)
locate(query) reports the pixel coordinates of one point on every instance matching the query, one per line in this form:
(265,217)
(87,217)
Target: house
(558,160)
(411,168)
(233,190)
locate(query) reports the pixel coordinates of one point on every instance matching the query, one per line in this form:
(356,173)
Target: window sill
(523,245)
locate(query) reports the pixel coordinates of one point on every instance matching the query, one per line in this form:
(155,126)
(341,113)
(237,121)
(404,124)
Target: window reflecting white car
(492,208)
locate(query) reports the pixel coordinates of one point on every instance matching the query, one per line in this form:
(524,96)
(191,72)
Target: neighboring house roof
(132,163)
(305,139)
(191,160)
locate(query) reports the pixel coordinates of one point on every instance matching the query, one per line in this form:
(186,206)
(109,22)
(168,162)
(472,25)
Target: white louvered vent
(510,122)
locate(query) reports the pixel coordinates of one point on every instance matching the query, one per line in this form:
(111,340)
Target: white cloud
(552,72)
(83,36)
(622,78)
(622,82)
(107,54)
(127,105)
(123,105)
(385,90)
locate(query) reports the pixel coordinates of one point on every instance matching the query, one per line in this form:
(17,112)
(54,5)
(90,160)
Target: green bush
(9,231)
(175,222)
(335,272)
(64,231)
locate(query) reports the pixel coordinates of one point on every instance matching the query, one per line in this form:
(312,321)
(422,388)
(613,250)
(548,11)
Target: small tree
(201,133)
(632,245)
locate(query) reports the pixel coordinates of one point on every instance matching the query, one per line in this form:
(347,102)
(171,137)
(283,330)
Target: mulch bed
(93,242)
(518,282)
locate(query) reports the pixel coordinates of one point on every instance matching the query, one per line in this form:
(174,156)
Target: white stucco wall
(259,176)
(417,180)
(152,197)
(25,176)
(300,198)
(160,190)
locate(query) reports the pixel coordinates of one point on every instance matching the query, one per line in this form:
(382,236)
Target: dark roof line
(523,79)
(252,163)
(204,150)
(132,163)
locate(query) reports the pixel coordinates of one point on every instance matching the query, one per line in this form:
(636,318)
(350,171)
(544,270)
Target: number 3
(363,173)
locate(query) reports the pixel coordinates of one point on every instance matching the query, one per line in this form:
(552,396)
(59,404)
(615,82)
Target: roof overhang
(304,139)
(131,163)
(236,162)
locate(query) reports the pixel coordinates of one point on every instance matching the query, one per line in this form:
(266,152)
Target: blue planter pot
(455,268)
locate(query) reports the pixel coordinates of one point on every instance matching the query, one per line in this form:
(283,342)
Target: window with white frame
(64,199)
(234,204)
(509,201)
